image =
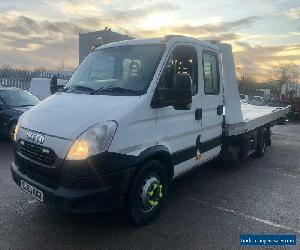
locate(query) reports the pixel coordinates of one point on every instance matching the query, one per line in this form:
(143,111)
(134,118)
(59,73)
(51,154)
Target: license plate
(38,194)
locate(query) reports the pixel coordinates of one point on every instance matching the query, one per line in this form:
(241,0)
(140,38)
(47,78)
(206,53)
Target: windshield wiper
(114,89)
(80,88)
(25,105)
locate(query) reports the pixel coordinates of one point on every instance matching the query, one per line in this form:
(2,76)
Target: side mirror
(180,96)
(53,85)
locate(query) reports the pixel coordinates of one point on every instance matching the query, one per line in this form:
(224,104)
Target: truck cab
(135,115)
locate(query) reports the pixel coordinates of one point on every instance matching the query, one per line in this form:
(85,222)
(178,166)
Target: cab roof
(161,40)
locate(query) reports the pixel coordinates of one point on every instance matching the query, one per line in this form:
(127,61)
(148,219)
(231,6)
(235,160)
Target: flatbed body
(255,117)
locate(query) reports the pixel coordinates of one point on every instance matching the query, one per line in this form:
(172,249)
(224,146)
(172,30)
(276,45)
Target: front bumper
(83,194)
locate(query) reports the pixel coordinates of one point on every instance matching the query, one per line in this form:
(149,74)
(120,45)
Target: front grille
(45,176)
(37,153)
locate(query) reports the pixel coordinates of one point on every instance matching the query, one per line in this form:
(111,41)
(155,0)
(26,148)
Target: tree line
(279,75)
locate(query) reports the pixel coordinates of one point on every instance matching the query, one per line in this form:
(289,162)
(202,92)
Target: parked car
(257,100)
(13,103)
(244,98)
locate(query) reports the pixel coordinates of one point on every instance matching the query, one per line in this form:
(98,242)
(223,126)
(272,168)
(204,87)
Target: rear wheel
(147,193)
(281,121)
(261,142)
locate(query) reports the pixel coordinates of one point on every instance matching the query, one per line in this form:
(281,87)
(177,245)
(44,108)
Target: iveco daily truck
(135,115)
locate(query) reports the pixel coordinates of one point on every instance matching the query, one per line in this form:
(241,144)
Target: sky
(44,33)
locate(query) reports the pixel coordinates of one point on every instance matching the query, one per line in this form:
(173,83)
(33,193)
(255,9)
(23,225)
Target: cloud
(40,39)
(38,43)
(35,38)
(144,10)
(259,59)
(25,25)
(293,13)
(94,9)
(62,27)
(51,57)
(220,31)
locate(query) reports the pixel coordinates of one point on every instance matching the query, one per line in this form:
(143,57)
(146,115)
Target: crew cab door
(211,96)
(178,129)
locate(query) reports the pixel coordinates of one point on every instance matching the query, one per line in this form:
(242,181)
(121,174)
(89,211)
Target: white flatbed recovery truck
(135,115)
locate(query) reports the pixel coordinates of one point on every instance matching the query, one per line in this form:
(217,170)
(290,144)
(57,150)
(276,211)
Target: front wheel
(147,193)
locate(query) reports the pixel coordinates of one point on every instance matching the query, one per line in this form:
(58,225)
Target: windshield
(126,70)
(18,98)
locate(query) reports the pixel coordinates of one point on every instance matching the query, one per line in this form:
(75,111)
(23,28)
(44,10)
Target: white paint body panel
(231,94)
(68,115)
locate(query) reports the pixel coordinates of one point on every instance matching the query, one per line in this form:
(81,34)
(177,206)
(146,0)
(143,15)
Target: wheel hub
(151,193)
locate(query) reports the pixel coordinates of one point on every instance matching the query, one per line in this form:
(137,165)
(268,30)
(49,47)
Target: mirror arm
(156,102)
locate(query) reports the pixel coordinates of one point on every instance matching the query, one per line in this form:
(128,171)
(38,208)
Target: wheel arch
(161,154)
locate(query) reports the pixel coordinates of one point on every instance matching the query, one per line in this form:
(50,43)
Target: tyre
(11,131)
(281,121)
(244,147)
(147,193)
(261,143)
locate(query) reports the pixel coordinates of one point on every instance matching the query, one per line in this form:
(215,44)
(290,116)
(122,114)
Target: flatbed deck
(256,116)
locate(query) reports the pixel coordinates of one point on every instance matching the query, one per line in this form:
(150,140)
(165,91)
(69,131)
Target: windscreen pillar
(233,112)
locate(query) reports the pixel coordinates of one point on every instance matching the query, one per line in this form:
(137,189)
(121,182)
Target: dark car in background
(13,103)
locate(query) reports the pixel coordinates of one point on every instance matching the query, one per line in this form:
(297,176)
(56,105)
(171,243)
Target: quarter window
(211,74)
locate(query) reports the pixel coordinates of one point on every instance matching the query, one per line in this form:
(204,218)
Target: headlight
(94,140)
(16,132)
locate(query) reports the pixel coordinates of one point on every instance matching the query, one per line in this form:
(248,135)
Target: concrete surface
(207,209)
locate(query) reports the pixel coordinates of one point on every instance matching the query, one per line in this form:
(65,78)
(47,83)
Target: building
(89,40)
(292,89)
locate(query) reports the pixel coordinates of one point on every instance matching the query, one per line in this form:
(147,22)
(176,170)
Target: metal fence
(21,78)
(64,75)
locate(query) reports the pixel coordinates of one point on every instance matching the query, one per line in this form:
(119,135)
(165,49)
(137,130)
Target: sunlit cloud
(294,13)
(44,33)
(258,60)
(30,47)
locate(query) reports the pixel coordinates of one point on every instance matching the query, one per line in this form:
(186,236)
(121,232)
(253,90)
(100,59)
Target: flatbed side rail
(251,124)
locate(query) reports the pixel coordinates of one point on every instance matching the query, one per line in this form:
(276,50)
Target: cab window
(182,60)
(211,73)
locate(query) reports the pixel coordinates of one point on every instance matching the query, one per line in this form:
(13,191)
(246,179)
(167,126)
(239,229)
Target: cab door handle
(220,110)
(198,114)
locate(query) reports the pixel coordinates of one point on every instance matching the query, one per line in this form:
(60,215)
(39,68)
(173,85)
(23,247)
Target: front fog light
(93,141)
